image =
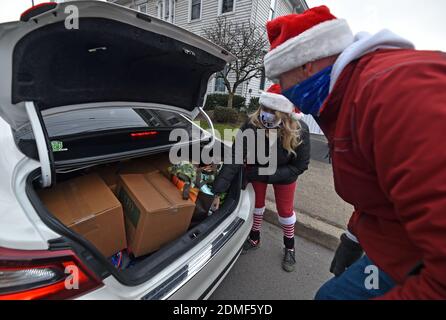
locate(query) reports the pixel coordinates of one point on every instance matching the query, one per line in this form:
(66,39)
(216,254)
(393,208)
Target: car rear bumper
(199,276)
(204,283)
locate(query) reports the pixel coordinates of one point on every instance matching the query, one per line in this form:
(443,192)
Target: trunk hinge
(211,125)
(42,143)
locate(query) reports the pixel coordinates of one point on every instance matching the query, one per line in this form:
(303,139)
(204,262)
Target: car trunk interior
(109,61)
(136,269)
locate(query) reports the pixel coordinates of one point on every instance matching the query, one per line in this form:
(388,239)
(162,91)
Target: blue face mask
(269,120)
(309,95)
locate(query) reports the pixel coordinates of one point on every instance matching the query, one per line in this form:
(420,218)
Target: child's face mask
(269,120)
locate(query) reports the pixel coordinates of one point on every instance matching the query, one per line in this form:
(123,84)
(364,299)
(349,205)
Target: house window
(301,7)
(195,9)
(142,8)
(220,81)
(166,10)
(226,6)
(220,84)
(272,10)
(262,80)
(160,9)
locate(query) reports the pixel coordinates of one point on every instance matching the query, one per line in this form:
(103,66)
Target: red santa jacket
(385,120)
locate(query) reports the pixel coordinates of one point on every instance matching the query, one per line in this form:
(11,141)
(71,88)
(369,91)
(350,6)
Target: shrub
(239,102)
(226,115)
(254,104)
(221,100)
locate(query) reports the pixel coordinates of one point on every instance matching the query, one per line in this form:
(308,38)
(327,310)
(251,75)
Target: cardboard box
(137,166)
(114,189)
(88,207)
(155,213)
(149,164)
(110,172)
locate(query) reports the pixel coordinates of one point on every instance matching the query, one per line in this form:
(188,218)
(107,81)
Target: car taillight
(36,10)
(143,134)
(30,275)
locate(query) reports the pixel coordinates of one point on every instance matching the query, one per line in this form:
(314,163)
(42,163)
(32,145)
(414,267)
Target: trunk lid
(116,55)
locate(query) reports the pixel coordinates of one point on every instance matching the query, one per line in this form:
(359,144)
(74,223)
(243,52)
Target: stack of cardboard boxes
(131,205)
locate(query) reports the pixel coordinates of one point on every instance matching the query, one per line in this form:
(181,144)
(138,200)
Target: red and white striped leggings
(284,203)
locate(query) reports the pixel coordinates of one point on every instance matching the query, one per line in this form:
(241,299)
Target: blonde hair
(289,131)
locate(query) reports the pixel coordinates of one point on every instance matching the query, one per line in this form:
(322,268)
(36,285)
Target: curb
(309,228)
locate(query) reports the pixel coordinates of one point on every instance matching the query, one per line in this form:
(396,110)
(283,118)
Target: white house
(197,15)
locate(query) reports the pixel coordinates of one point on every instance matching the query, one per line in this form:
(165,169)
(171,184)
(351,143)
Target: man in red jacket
(382,106)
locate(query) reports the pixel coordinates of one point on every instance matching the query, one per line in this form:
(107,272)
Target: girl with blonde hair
(293,157)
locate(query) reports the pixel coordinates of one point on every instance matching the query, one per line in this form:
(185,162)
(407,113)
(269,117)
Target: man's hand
(347,254)
(216,204)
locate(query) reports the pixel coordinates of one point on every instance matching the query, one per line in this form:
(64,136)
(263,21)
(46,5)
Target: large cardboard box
(88,207)
(155,213)
(110,172)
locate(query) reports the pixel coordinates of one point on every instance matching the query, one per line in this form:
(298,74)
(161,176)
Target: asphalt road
(259,276)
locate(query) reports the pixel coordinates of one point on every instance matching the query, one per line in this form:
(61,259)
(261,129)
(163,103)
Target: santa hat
(297,39)
(274,100)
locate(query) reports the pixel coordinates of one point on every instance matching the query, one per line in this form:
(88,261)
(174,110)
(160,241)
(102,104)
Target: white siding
(260,11)
(260,15)
(283,7)
(208,16)
(152,8)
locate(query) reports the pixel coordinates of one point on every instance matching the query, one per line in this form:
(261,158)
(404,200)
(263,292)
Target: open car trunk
(118,57)
(133,271)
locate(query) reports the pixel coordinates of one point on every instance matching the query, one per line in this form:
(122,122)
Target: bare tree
(248,43)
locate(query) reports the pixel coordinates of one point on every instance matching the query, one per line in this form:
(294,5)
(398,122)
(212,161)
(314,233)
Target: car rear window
(99,131)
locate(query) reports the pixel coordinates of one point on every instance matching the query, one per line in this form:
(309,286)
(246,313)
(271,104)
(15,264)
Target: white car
(89,87)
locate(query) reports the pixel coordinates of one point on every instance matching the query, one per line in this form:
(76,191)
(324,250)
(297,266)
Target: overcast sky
(10,10)
(423,22)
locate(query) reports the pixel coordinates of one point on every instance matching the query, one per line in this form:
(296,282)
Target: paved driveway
(259,276)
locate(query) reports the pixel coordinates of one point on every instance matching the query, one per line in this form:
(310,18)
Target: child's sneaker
(289,260)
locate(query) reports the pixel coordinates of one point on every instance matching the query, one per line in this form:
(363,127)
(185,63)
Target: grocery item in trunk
(155,212)
(195,183)
(186,189)
(88,207)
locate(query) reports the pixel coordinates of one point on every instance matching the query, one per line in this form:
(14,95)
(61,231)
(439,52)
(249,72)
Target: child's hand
(216,204)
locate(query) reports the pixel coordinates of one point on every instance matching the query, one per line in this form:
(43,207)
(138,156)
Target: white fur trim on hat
(297,116)
(276,102)
(324,40)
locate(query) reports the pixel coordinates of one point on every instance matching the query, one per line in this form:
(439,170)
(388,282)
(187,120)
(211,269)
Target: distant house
(197,15)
